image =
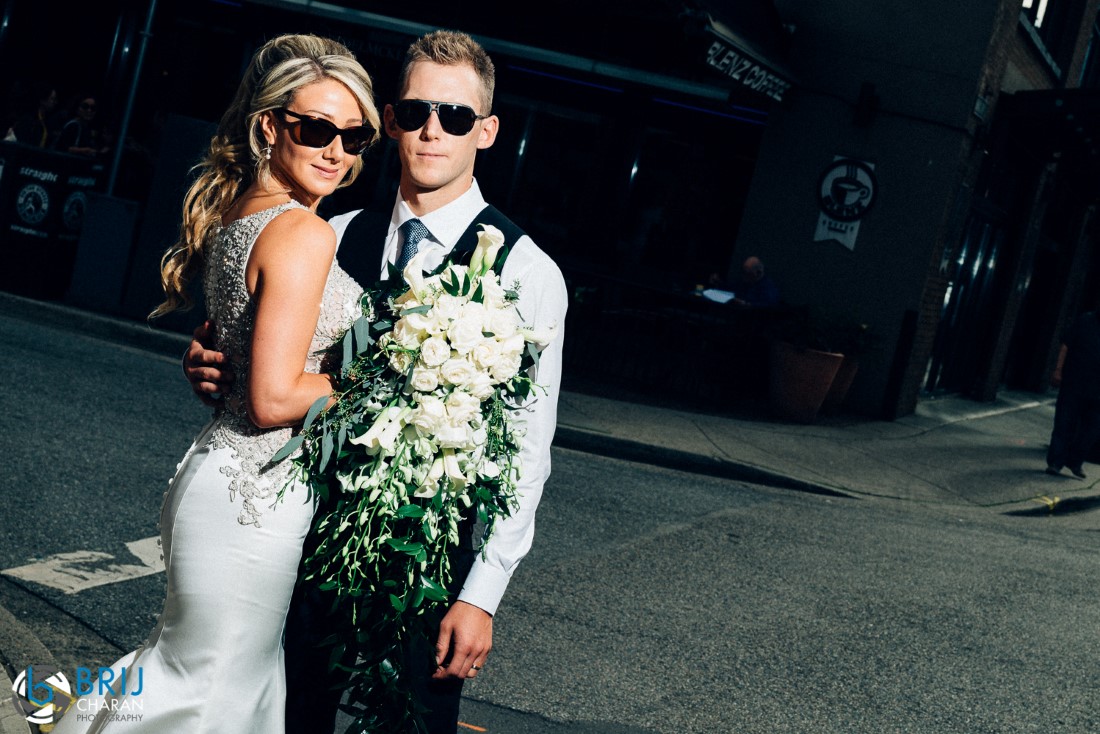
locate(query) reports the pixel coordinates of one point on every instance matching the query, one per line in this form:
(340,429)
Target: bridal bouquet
(421,436)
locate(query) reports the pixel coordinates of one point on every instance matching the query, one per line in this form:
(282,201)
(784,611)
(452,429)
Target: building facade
(921,168)
(964,235)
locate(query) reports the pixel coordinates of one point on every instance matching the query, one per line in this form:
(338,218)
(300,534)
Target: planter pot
(838,391)
(800,379)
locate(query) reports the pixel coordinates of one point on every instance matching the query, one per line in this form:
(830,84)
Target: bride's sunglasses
(456,119)
(314,132)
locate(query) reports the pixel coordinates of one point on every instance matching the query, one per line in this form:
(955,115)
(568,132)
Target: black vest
(364,240)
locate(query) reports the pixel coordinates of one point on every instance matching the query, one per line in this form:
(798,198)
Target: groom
(440,121)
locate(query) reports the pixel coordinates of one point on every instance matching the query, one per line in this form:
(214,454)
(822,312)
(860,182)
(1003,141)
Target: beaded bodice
(252,475)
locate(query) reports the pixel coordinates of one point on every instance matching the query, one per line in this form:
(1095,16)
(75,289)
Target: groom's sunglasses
(455,119)
(314,132)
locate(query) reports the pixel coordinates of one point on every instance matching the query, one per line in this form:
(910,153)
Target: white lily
(489,241)
(540,337)
(454,470)
(430,486)
(414,275)
(383,432)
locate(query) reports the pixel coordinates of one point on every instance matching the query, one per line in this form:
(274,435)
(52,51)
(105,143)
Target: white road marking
(79,570)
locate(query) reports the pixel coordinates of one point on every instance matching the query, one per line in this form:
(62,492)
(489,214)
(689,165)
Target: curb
(11,721)
(579,439)
(87,323)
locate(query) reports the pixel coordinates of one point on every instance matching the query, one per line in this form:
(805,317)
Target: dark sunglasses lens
(411,114)
(316,133)
(356,139)
(456,119)
(320,133)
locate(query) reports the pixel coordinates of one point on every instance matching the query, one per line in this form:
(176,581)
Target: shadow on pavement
(1056,506)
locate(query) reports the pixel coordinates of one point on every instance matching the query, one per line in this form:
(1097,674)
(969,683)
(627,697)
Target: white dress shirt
(542,303)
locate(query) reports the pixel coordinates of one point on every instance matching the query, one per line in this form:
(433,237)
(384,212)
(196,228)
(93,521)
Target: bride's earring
(266,152)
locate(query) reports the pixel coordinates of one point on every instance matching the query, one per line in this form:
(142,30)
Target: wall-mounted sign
(739,59)
(845,194)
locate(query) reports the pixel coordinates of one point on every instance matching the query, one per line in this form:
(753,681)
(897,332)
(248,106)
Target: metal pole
(120,142)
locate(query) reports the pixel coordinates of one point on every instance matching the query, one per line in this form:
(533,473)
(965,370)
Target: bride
(214,663)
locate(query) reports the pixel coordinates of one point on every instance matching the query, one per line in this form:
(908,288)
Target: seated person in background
(756,288)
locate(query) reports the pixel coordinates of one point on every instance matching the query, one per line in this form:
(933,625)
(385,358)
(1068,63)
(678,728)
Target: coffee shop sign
(738,66)
(845,194)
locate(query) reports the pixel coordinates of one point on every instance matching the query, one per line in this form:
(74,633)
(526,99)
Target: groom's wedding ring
(475,667)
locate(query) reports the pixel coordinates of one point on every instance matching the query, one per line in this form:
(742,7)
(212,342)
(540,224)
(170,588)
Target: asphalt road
(653,600)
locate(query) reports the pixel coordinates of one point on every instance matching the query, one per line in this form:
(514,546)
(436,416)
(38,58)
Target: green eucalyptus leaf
(314,410)
(289,448)
(348,346)
(363,340)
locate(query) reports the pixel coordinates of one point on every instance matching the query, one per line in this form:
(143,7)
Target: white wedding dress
(214,662)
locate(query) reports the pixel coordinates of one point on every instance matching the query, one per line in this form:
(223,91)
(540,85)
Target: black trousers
(312,705)
(1076,429)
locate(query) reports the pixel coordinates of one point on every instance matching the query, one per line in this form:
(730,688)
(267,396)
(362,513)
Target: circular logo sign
(43,695)
(847,190)
(72,212)
(32,203)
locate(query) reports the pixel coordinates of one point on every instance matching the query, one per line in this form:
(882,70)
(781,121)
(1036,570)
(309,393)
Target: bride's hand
(207,370)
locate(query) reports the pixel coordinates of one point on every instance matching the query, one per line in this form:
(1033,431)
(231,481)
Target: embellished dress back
(214,662)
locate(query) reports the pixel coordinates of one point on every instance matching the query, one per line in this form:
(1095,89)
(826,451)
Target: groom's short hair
(452,48)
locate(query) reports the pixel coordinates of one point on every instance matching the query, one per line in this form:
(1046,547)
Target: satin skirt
(214,662)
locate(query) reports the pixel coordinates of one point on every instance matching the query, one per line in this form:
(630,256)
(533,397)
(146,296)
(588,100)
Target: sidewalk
(951,450)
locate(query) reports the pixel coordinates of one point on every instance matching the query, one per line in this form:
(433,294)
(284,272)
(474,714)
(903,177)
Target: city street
(653,600)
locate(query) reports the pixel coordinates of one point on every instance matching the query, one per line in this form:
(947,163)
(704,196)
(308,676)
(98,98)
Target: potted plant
(814,358)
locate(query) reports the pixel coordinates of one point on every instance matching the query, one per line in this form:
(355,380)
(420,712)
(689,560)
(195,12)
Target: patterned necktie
(412,232)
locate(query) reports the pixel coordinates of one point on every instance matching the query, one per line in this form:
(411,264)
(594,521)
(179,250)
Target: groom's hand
(207,370)
(465,638)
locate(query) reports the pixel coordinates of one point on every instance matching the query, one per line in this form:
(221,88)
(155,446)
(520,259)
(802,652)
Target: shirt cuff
(485,586)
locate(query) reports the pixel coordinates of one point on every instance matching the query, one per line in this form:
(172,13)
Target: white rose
(485,353)
(465,332)
(454,436)
(492,291)
(424,379)
(407,335)
(421,323)
(435,351)
(400,362)
(445,310)
(462,407)
(457,371)
(481,386)
(505,368)
(502,322)
(513,345)
(429,415)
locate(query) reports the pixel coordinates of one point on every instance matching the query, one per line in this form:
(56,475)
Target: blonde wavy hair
(452,48)
(235,160)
